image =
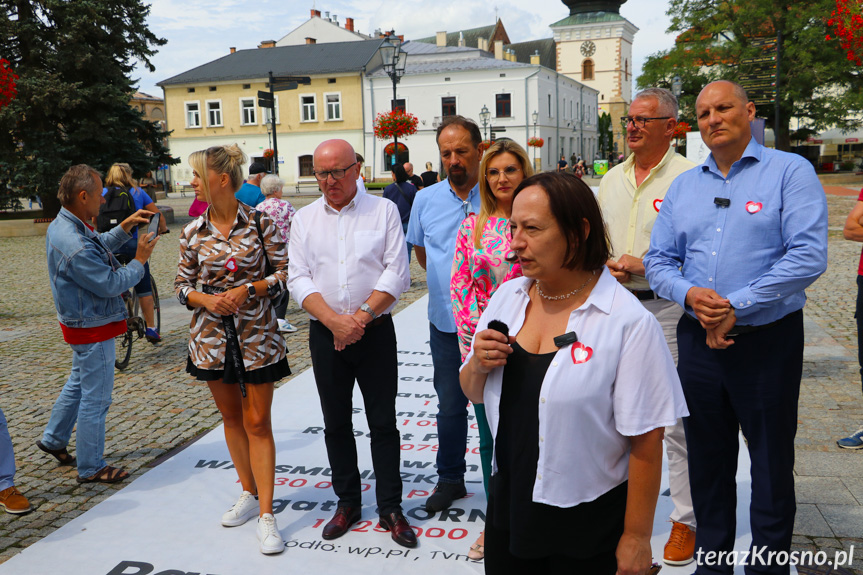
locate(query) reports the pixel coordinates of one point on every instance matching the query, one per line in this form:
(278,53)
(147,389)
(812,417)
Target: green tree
(74,60)
(604,135)
(817,83)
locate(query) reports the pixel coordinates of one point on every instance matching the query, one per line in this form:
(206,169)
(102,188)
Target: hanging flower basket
(846,24)
(8,78)
(389,148)
(395,124)
(269,153)
(681,129)
(535,142)
(484,145)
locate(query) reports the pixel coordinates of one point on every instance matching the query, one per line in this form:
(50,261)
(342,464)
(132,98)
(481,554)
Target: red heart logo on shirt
(657,203)
(753,207)
(580,353)
(231,265)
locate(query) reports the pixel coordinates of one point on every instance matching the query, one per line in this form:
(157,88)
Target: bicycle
(135,324)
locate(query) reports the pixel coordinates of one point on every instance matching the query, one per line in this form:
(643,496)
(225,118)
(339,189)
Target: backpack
(119,205)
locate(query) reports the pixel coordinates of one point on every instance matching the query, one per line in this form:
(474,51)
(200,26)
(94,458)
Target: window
(214,113)
(389,160)
(549,106)
(190,90)
(308,112)
(307,166)
(193,115)
(503,105)
(447,105)
(212,88)
(587,69)
(398,105)
(248,112)
(334,106)
(246,86)
(268,114)
(331,80)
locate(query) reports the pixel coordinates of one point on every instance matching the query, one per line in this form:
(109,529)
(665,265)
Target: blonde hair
(118,175)
(487,201)
(222,160)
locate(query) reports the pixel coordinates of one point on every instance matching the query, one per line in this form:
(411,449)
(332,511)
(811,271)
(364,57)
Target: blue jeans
(84,399)
(7,457)
(452,406)
(410,245)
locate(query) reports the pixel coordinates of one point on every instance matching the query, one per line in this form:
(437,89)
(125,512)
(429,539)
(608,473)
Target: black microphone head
(498,325)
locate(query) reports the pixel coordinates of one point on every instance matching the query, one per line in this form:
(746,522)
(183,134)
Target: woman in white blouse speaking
(578,385)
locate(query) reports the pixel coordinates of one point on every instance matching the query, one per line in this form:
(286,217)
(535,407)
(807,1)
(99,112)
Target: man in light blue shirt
(736,242)
(436,216)
(250,192)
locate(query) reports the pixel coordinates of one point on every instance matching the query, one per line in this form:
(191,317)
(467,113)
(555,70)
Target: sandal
(60,455)
(477,550)
(107,474)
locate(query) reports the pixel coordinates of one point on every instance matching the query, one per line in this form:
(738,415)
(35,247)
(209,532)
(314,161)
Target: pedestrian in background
(86,282)
(250,192)
(402,193)
(282,212)
(11,500)
(429,177)
(854,231)
(234,344)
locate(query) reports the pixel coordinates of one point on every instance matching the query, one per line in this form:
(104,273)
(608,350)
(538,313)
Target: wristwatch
(368,309)
(251,288)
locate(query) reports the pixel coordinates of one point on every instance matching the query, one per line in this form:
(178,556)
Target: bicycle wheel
(157,308)
(124,342)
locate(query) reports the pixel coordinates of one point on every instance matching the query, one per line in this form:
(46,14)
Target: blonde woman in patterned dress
(234,345)
(480,266)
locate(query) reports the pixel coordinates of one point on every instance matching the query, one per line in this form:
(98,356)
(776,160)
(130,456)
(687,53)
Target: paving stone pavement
(157,407)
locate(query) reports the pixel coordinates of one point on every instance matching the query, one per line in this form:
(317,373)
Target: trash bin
(600,167)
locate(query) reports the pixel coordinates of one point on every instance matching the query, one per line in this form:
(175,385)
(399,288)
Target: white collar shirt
(346,254)
(628,386)
(630,210)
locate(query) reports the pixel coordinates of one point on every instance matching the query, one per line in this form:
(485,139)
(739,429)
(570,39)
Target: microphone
(722,202)
(498,325)
(565,339)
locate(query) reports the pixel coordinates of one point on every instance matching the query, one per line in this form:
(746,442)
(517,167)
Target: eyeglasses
(638,121)
(494,173)
(336,174)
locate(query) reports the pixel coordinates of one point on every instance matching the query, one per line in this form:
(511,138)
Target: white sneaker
(286,326)
(269,536)
(244,509)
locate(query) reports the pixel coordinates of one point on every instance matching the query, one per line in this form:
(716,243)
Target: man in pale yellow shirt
(630,196)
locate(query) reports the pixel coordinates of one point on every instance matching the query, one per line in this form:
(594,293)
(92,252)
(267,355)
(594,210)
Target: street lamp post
(534,117)
(677,87)
(484,115)
(394,60)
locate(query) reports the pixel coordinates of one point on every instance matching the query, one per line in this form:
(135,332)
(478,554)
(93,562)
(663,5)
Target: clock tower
(594,47)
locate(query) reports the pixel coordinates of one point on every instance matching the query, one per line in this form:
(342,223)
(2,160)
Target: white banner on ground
(167,521)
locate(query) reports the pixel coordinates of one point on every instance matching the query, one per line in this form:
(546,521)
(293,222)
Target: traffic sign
(495,129)
(280,83)
(265,99)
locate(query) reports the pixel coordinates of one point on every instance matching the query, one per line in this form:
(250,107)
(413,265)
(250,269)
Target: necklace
(566,295)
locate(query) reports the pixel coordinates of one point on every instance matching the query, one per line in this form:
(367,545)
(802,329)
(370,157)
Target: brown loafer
(344,518)
(399,528)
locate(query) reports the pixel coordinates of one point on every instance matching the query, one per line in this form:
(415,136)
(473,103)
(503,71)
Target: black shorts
(267,374)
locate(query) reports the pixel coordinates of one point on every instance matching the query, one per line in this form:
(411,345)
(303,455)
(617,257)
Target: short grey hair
(270,184)
(666,100)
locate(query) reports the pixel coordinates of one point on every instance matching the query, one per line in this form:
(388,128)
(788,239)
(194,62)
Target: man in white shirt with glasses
(348,267)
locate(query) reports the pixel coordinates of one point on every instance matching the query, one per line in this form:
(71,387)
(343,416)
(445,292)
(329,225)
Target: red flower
(8,78)
(397,123)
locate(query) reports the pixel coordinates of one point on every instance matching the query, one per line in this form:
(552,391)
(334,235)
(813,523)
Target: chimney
(316,13)
(311,40)
(326,15)
(335,20)
(441,39)
(534,58)
(498,49)
(267,44)
(461,39)
(349,24)
(233,49)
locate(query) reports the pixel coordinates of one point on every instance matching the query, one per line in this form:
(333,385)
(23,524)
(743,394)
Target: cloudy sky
(199,31)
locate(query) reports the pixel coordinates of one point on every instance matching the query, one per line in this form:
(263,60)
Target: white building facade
(442,81)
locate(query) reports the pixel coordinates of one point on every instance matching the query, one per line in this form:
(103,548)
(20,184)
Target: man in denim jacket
(87,283)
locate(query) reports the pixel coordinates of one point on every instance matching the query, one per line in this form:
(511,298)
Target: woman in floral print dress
(234,345)
(481,265)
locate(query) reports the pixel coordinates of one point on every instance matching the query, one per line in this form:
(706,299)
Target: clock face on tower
(588,48)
